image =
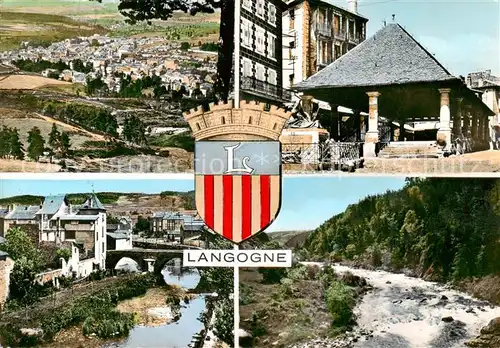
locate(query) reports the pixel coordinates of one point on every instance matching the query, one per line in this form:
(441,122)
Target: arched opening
(126,264)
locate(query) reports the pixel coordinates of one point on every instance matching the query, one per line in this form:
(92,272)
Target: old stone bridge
(147,259)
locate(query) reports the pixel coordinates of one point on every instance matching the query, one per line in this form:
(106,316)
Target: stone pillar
(371,137)
(481,131)
(466,122)
(475,125)
(357,124)
(334,129)
(444,132)
(457,119)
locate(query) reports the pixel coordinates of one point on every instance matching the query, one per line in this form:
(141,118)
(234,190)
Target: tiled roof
(391,56)
(51,204)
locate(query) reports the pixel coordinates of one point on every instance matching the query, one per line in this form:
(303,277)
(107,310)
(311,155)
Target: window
(246,28)
(247,4)
(271,14)
(271,77)
(247,67)
(259,40)
(271,46)
(260,8)
(260,72)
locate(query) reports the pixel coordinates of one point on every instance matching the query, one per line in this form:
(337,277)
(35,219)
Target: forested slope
(445,229)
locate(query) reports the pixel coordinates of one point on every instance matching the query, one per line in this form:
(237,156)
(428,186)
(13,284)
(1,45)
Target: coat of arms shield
(237,167)
(238,186)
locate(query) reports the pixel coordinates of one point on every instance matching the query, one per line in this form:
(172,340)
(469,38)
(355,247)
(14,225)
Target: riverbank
(281,309)
(403,311)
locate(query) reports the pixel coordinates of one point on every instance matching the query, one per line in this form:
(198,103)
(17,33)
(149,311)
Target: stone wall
(6,265)
(306,30)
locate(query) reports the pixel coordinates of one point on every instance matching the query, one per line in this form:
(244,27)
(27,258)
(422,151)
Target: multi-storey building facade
(260,51)
(175,225)
(316,33)
(57,221)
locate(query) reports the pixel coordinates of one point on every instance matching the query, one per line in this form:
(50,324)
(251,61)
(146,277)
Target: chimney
(352,5)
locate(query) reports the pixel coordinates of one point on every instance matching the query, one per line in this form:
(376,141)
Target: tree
(134,130)
(26,256)
(142,225)
(54,137)
(185,46)
(36,143)
(141,10)
(65,144)
(15,145)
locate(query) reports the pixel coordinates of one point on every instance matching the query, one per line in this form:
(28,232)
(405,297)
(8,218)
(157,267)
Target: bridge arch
(161,257)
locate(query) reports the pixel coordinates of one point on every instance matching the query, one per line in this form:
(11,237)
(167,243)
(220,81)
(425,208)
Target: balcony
(264,89)
(325,29)
(340,35)
(354,39)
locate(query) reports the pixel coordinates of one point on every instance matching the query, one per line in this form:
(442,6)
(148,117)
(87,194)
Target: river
(404,312)
(176,334)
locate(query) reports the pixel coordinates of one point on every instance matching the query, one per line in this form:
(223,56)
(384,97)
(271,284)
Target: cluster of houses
(135,57)
(84,229)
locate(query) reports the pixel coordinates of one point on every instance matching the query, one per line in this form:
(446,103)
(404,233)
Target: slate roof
(79,217)
(23,212)
(51,204)
(3,212)
(3,254)
(93,203)
(117,235)
(390,57)
(2,240)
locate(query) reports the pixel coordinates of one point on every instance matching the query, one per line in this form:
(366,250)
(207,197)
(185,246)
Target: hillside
(441,229)
(40,28)
(290,239)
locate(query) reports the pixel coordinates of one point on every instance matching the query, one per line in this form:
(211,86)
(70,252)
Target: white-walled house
(57,221)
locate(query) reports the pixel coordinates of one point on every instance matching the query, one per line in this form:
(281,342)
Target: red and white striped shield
(238,186)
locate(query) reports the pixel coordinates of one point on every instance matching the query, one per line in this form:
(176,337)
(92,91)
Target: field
(41,29)
(29,82)
(61,7)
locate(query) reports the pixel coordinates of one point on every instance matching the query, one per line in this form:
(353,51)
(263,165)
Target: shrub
(340,302)
(113,324)
(272,275)
(326,276)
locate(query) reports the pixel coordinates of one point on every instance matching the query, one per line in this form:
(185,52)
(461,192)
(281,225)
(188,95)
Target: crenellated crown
(249,122)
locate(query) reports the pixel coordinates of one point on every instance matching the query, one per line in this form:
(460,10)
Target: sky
(307,201)
(464,35)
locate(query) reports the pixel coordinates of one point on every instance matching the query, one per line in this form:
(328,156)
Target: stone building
(260,51)
(175,226)
(489,86)
(58,221)
(6,266)
(316,33)
(393,76)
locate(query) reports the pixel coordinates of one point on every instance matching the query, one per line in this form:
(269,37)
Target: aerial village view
(344,87)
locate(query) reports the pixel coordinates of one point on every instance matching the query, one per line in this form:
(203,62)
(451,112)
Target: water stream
(403,312)
(177,334)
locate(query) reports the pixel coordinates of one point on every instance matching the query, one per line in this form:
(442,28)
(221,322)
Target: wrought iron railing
(339,34)
(265,88)
(333,153)
(325,29)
